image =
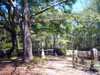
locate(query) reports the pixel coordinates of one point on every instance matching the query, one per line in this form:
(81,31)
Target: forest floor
(54,66)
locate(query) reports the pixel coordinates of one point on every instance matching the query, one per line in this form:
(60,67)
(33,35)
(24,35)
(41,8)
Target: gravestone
(43,54)
(94,58)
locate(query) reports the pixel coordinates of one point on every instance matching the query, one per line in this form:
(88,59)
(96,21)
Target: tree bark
(28,56)
(14,43)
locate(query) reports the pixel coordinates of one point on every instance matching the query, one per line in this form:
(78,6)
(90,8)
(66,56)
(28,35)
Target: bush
(60,51)
(6,45)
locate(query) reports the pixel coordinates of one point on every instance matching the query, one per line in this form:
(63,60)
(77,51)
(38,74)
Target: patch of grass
(39,60)
(13,58)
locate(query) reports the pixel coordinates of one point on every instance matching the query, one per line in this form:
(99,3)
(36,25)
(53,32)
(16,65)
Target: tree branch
(50,7)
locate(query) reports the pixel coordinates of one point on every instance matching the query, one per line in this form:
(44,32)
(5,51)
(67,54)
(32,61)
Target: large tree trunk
(27,44)
(14,43)
(26,33)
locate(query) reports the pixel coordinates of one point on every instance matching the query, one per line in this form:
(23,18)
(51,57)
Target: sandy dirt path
(54,66)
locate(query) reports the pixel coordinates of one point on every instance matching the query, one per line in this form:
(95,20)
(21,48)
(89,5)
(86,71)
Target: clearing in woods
(54,66)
